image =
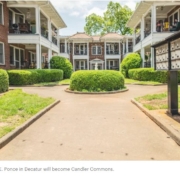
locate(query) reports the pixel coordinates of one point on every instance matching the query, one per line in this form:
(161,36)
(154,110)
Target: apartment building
(29,33)
(152,21)
(86,51)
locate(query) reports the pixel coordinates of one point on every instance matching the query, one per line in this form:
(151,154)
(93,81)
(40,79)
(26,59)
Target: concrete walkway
(93,127)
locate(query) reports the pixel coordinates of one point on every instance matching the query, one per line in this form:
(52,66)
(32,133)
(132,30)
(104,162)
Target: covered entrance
(97,63)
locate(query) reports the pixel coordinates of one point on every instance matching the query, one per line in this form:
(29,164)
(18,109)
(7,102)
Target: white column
(37,13)
(88,56)
(58,40)
(152,57)
(49,57)
(142,28)
(73,57)
(142,56)
(105,55)
(120,48)
(38,56)
(134,40)
(49,30)
(127,49)
(123,48)
(153,19)
(65,46)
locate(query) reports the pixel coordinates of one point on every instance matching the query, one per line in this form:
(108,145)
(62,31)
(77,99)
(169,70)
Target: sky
(74,12)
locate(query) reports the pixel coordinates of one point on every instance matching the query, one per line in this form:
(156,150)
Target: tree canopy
(113,20)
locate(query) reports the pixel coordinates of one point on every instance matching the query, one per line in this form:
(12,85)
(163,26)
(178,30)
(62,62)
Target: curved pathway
(92,127)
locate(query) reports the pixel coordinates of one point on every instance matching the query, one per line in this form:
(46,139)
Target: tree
(114,20)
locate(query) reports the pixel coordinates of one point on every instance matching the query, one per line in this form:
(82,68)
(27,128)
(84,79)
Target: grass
(62,82)
(17,107)
(132,81)
(156,101)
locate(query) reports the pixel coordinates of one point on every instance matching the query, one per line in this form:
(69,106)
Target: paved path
(92,127)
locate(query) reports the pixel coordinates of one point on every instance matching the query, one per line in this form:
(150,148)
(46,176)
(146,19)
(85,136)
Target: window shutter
(1,53)
(1,16)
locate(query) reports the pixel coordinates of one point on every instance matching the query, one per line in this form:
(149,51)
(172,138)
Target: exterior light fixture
(28,14)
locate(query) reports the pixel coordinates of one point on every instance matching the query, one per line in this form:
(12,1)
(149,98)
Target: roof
(112,36)
(96,38)
(143,8)
(46,6)
(80,36)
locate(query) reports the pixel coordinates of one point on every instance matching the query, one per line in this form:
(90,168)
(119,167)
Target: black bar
(155,59)
(173,92)
(169,55)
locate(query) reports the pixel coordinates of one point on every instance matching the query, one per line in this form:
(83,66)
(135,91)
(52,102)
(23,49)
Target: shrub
(58,62)
(28,77)
(131,61)
(4,81)
(148,74)
(93,80)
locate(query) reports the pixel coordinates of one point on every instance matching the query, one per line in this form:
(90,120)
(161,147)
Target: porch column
(65,46)
(88,56)
(105,55)
(134,39)
(152,57)
(73,57)
(120,48)
(38,56)
(127,49)
(58,40)
(142,28)
(142,56)
(49,57)
(37,13)
(49,30)
(153,19)
(123,48)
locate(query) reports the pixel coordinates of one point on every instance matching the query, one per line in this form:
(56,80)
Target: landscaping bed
(156,101)
(17,107)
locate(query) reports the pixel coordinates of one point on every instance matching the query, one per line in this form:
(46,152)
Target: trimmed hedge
(131,61)
(58,62)
(28,77)
(96,80)
(4,81)
(148,74)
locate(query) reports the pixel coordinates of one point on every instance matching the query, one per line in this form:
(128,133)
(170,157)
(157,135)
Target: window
(1,53)
(1,14)
(11,55)
(96,50)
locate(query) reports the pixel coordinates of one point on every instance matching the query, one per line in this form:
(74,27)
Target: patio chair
(177,28)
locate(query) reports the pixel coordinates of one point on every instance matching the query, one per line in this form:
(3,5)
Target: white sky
(73,12)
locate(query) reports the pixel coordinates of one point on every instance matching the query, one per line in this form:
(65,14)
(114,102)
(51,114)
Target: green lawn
(63,82)
(17,107)
(132,81)
(156,101)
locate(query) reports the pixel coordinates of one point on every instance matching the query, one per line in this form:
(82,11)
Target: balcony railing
(138,39)
(54,40)
(147,64)
(112,68)
(80,53)
(112,52)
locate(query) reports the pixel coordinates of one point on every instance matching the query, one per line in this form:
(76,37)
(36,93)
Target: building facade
(152,22)
(85,52)
(29,33)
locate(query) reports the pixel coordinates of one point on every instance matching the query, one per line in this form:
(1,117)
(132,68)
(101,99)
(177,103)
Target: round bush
(95,81)
(131,61)
(58,62)
(4,81)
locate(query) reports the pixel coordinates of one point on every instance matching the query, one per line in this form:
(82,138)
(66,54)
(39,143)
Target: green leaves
(114,20)
(58,62)
(95,81)
(4,81)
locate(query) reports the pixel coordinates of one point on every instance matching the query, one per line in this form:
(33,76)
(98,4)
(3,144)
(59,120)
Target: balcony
(109,52)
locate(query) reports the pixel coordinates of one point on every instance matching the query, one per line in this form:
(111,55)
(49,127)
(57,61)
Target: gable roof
(80,36)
